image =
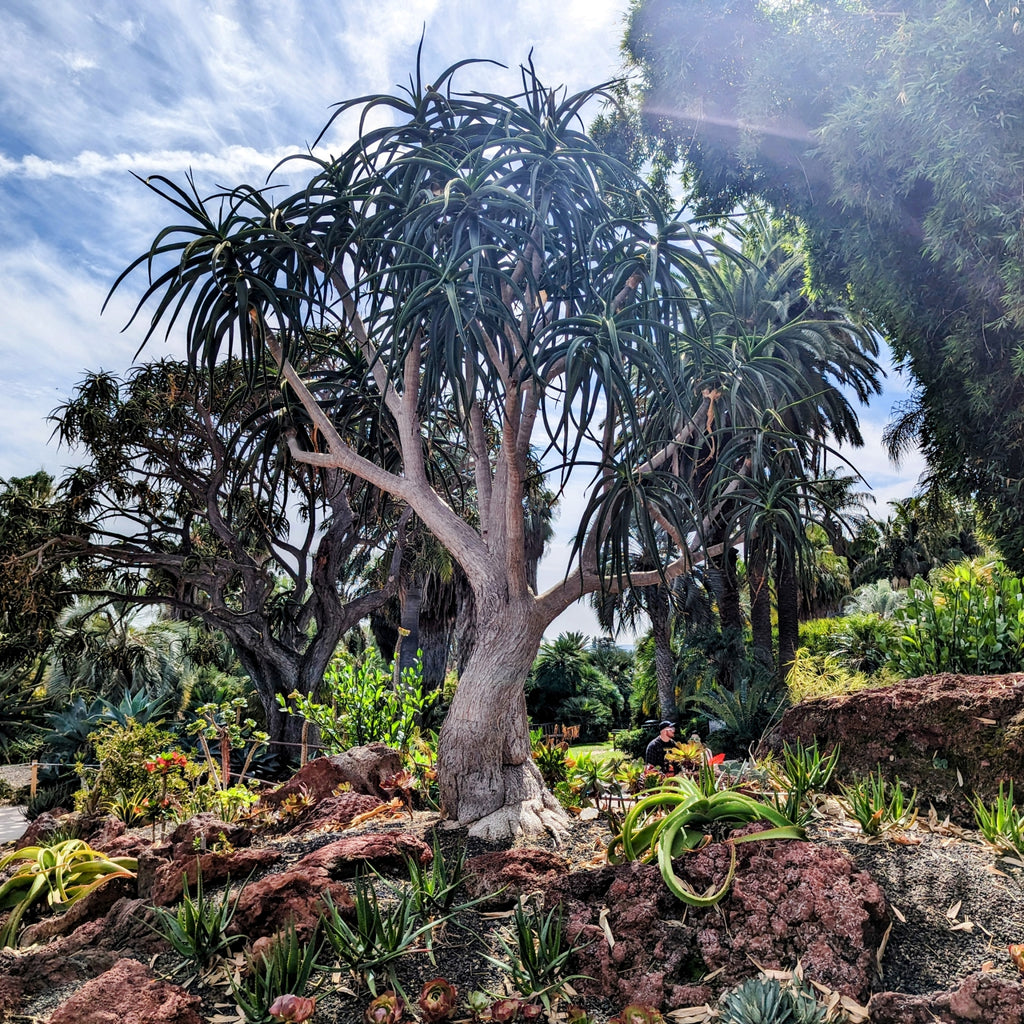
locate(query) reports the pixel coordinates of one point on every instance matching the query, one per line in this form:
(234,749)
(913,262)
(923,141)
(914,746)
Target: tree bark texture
(787,595)
(487,775)
(664,663)
(758,580)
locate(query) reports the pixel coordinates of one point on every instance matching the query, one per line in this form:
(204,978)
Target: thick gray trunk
(487,777)
(760,603)
(664,662)
(409,634)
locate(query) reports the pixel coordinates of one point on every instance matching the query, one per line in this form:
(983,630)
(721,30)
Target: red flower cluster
(163,763)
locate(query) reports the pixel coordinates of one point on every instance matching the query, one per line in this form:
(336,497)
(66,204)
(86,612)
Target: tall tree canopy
(895,134)
(194,508)
(34,590)
(496,269)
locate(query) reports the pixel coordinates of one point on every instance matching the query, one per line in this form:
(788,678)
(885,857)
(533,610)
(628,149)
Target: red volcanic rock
(506,874)
(790,901)
(980,998)
(202,832)
(129,994)
(215,867)
(924,731)
(91,949)
(95,905)
(338,811)
(293,897)
(342,858)
(361,767)
(41,829)
(296,895)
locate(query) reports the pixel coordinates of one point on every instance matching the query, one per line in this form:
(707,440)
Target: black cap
(666,725)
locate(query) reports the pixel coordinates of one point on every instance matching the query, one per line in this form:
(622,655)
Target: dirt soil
(955,905)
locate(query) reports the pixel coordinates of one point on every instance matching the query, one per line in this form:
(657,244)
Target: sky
(90,93)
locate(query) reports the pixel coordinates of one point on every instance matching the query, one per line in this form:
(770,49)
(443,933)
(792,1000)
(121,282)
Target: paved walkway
(12,823)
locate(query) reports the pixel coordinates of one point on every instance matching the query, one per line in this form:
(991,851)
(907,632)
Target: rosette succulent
(437,1000)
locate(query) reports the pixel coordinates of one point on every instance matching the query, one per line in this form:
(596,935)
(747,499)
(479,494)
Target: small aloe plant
(1001,823)
(879,806)
(63,873)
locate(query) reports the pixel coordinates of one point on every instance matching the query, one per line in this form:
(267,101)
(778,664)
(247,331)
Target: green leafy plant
(1001,823)
(223,725)
(63,872)
(198,929)
(550,756)
(283,969)
(745,712)
(379,935)
(678,816)
(863,643)
(591,779)
(879,806)
(804,770)
(122,751)
(538,960)
(970,620)
(362,705)
(764,1000)
(432,887)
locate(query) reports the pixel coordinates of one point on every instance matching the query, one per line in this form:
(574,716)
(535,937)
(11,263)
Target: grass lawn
(602,751)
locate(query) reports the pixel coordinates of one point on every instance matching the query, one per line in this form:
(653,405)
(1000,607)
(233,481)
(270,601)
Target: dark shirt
(655,754)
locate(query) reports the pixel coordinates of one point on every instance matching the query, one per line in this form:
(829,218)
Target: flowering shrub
(130,780)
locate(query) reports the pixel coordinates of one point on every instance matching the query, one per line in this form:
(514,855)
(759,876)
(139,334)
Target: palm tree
(566,687)
(103,648)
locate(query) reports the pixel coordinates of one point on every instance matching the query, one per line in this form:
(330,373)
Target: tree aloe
(500,272)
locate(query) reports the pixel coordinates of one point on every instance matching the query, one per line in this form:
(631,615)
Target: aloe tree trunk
(486,773)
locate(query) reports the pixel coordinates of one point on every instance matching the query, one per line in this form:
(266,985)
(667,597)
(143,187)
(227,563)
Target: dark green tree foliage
(924,532)
(566,687)
(34,589)
(194,507)
(896,136)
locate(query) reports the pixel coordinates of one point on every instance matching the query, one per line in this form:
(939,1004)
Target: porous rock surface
(925,731)
(790,901)
(168,877)
(362,768)
(91,949)
(129,994)
(979,998)
(498,878)
(296,894)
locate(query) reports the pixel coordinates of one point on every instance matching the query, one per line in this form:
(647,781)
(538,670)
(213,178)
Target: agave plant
(65,872)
